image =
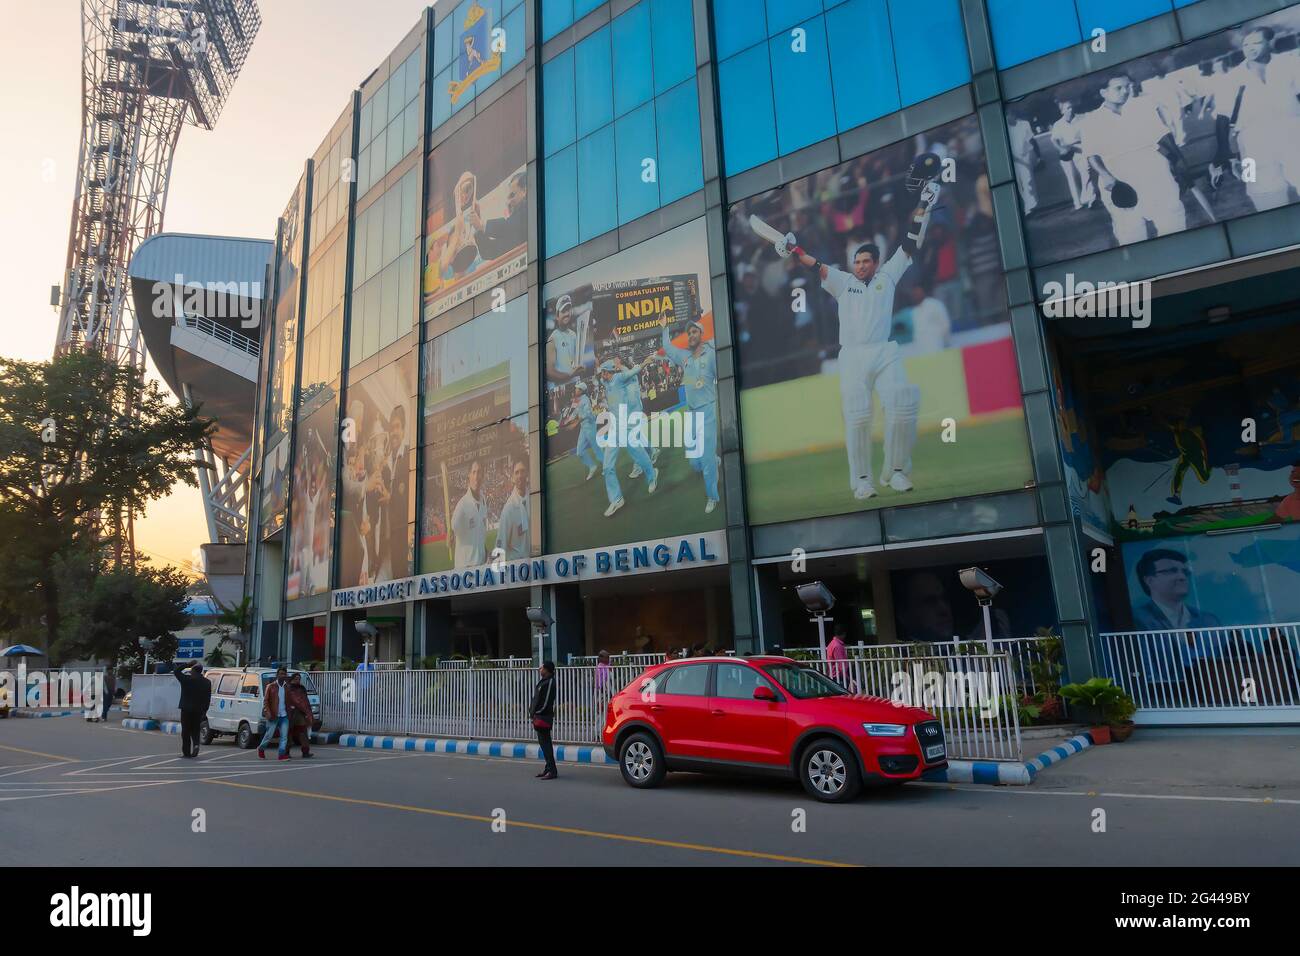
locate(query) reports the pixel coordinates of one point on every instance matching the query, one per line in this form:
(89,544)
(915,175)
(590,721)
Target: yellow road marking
(37,753)
(549,828)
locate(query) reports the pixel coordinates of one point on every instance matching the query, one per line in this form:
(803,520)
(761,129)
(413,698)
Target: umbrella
(21,650)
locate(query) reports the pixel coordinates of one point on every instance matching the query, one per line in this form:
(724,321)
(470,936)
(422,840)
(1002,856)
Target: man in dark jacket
(196,692)
(542,712)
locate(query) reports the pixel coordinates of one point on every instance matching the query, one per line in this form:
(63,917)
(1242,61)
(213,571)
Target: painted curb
(568,753)
(139,723)
(1006,773)
(321,737)
(44,713)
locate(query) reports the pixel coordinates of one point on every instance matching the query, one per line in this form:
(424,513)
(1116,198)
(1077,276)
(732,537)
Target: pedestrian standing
(542,713)
(196,692)
(275,709)
(110,688)
(602,674)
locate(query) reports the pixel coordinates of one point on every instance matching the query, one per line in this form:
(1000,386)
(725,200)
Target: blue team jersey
(585,414)
(699,372)
(624,388)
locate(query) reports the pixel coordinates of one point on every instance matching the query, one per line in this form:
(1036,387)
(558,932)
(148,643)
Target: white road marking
(1028,792)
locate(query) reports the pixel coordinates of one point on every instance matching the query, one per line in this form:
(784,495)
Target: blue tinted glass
(633,73)
(737,24)
(1025,29)
(583,7)
(556,15)
(805,111)
(442,44)
(634,138)
(674,42)
(681,165)
(441,98)
(1113,14)
(597,197)
(748,120)
(561,201)
(862,62)
(557,102)
(514,27)
(785,14)
(930,52)
(592,78)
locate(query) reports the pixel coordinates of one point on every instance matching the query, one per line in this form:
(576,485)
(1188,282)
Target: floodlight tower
(147,68)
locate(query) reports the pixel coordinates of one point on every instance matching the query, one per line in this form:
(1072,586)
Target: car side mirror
(764,693)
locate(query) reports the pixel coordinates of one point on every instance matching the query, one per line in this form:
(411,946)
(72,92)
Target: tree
(71,454)
(124,605)
(232,626)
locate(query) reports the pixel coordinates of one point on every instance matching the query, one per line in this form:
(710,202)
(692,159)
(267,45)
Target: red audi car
(766,715)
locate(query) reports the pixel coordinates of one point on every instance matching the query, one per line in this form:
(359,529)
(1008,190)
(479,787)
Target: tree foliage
(81,438)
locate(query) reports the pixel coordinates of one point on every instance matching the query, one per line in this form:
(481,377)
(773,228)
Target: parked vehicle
(766,715)
(236,706)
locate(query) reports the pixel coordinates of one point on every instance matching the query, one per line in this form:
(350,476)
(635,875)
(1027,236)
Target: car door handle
(656,706)
(718,713)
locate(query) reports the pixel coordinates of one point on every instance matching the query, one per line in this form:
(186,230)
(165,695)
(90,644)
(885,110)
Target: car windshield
(804,682)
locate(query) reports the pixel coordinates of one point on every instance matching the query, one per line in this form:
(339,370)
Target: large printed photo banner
(1200,133)
(476,473)
(873,372)
(285,355)
(477,219)
(377,439)
(630,345)
(1202,442)
(311,517)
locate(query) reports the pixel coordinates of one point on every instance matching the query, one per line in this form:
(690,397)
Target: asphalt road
(73,793)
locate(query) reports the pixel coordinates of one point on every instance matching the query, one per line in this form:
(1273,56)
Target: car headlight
(885,730)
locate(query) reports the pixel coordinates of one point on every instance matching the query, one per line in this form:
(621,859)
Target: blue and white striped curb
(1007,774)
(139,723)
(479,748)
(45,713)
(322,737)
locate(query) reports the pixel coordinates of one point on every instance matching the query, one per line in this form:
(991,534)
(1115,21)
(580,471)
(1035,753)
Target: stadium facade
(530,213)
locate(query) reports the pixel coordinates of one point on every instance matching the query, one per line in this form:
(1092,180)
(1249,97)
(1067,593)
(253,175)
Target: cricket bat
(770,234)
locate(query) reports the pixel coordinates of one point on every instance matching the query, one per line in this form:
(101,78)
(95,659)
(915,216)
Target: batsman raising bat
(869,361)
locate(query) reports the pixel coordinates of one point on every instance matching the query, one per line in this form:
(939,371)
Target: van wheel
(244,739)
(641,761)
(828,770)
(206,736)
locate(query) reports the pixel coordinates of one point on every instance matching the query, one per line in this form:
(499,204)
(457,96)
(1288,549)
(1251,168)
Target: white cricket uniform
(868,359)
(566,349)
(1268,125)
(512,532)
(1021,135)
(469,524)
(1078,174)
(1126,143)
(931,326)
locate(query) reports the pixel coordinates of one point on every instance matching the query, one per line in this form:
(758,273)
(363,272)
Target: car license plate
(934,753)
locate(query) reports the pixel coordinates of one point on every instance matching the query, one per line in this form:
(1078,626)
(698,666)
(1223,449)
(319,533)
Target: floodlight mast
(147,68)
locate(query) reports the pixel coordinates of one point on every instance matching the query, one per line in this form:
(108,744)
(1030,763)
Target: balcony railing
(222,334)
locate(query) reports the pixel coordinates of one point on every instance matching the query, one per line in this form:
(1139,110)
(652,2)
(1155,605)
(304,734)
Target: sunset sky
(235,180)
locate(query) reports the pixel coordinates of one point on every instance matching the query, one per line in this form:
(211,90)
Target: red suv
(767,715)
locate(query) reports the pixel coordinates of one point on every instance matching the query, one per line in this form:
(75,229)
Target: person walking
(301,716)
(196,693)
(542,713)
(275,709)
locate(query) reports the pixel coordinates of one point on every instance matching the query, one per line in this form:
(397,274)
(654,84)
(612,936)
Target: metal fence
(480,702)
(1022,653)
(1249,670)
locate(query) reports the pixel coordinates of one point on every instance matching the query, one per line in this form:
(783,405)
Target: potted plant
(1119,710)
(1093,701)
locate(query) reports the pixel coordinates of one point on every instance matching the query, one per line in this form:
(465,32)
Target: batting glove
(785,245)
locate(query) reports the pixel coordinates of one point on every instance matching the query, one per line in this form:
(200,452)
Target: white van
(236,706)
